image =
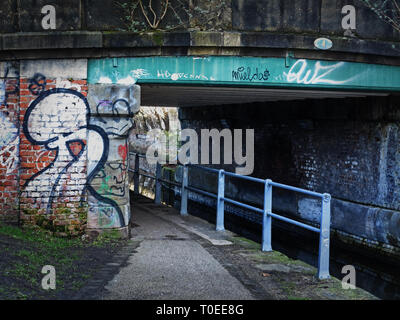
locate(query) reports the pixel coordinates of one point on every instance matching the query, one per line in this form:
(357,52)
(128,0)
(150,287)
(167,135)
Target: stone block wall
(346,147)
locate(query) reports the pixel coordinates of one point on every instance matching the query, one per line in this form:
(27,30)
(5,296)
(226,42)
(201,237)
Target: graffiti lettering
(165,74)
(300,73)
(247,74)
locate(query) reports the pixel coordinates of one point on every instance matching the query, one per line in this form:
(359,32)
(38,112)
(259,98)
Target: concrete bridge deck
(184,258)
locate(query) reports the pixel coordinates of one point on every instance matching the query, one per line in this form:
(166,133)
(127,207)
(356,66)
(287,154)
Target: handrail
(323,230)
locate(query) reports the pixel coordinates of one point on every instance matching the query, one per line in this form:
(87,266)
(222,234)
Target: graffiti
(59,120)
(112,110)
(40,159)
(66,84)
(9,156)
(114,124)
(133,76)
(247,74)
(165,74)
(8,130)
(139,73)
(123,151)
(8,143)
(300,73)
(4,91)
(106,218)
(113,179)
(37,84)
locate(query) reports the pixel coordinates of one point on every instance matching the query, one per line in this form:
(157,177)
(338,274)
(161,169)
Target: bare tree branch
(387,10)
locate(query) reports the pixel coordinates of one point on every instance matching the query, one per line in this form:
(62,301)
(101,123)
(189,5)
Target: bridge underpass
(318,86)
(211,98)
(305,111)
(197,96)
(312,141)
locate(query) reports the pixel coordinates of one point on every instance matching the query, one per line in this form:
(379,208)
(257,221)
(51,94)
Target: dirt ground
(23,253)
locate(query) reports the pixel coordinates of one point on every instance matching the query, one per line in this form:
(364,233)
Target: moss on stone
(158,38)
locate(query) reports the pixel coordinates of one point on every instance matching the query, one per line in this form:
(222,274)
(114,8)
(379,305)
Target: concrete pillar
(111,118)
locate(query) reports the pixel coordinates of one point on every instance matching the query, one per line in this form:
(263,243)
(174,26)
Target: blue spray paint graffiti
(57,119)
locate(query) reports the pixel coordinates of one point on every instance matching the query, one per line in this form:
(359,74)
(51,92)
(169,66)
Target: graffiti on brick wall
(59,120)
(8,143)
(9,138)
(37,84)
(4,91)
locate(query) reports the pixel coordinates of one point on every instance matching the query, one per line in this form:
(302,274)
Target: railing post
(157,198)
(136,175)
(267,219)
(184,190)
(220,200)
(323,257)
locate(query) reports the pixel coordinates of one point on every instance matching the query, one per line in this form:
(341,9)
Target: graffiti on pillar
(59,120)
(113,124)
(113,113)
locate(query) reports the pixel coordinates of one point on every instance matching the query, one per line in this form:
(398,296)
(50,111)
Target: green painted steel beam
(246,71)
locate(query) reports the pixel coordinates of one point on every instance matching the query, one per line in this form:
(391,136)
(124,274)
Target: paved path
(171,263)
(184,258)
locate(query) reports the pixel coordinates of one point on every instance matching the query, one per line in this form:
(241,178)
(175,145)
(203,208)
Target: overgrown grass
(24,252)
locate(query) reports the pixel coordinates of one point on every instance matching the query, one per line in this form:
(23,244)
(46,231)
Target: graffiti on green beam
(237,71)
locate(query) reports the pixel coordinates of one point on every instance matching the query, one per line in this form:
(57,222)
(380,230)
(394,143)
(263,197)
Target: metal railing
(267,214)
(158,177)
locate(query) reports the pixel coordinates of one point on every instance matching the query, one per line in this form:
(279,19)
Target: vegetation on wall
(165,15)
(386,10)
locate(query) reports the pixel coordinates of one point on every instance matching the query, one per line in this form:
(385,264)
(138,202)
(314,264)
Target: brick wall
(63,151)
(52,181)
(9,141)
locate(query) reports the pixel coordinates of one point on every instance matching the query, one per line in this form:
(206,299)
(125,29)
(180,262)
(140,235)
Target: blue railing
(323,230)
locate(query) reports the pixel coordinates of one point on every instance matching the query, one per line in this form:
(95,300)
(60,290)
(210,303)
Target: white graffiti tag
(2,92)
(9,156)
(301,73)
(66,84)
